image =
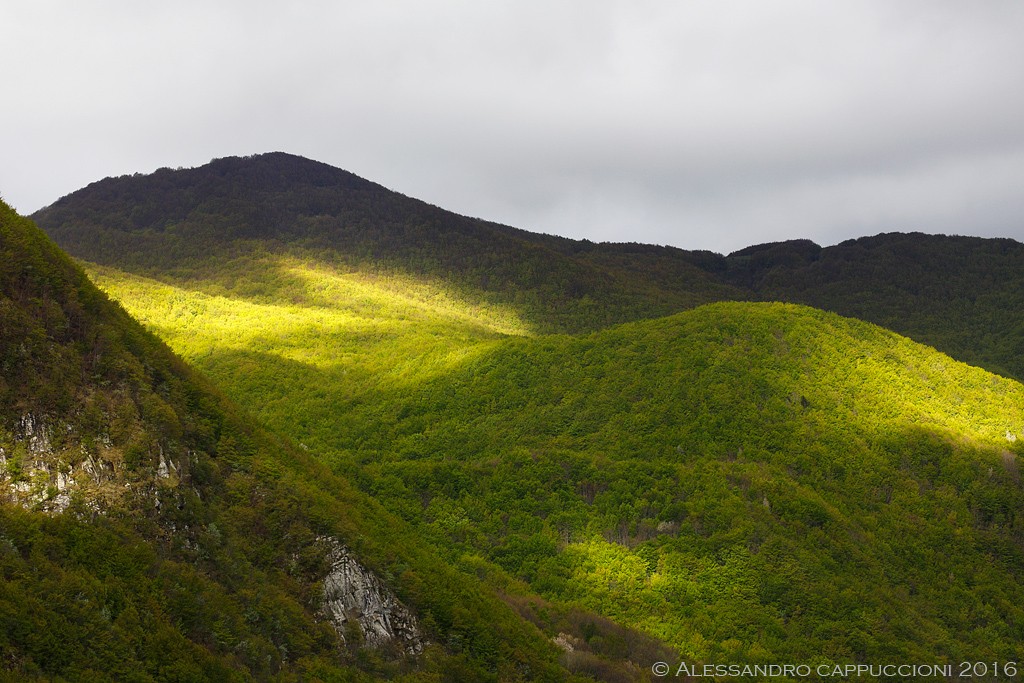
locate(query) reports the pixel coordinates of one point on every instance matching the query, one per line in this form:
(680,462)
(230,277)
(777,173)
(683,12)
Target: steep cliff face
(362,608)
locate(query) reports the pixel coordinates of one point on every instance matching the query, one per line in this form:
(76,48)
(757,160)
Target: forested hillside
(745,481)
(149,532)
(964,296)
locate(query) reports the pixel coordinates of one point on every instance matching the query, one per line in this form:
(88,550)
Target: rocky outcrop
(38,474)
(360,606)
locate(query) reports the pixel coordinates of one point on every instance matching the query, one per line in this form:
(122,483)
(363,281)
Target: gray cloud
(700,124)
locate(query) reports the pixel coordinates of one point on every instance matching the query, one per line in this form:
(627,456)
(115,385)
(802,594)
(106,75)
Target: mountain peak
(233,176)
(281,169)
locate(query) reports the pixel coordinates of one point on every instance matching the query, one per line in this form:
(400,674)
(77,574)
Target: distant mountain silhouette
(963,295)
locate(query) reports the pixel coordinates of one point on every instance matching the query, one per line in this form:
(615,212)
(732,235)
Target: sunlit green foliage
(746,481)
(349,335)
(775,481)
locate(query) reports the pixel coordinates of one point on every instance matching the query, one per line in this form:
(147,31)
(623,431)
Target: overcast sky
(708,124)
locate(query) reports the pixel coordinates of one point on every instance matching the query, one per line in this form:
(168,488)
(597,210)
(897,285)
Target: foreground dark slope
(147,532)
(132,574)
(965,296)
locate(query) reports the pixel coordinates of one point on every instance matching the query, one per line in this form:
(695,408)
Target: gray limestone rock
(351,592)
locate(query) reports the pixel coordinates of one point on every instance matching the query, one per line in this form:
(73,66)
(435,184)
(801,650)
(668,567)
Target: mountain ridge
(963,295)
